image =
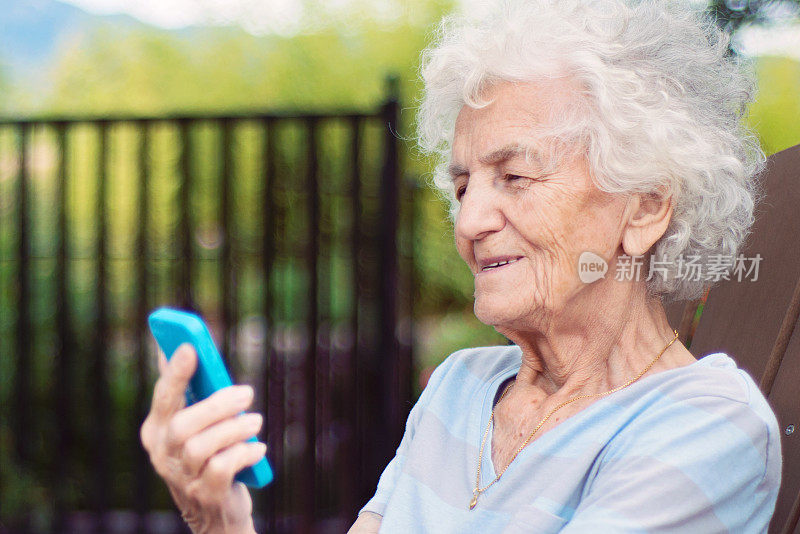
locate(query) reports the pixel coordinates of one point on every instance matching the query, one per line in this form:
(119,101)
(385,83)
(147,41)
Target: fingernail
(245,393)
(254,420)
(262,448)
(183,359)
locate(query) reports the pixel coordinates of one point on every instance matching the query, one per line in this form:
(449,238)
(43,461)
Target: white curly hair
(660,109)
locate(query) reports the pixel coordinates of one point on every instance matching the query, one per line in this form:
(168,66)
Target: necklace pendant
(474,500)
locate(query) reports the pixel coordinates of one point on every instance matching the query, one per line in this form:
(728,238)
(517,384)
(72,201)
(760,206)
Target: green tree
(340,63)
(774,114)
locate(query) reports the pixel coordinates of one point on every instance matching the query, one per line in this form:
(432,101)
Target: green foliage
(150,71)
(26,490)
(774,114)
(339,60)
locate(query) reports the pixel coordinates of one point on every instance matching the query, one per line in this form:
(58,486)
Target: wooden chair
(754,321)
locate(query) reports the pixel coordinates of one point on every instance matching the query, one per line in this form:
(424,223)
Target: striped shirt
(694,449)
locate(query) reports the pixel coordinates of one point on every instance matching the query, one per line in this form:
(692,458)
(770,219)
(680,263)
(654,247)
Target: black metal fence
(289,232)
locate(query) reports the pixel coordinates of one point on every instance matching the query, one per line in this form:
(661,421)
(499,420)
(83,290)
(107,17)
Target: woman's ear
(648,215)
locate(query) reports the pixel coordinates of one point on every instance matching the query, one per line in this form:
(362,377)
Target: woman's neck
(601,349)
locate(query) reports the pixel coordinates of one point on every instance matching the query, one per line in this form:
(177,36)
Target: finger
(221,405)
(200,447)
(162,362)
(170,388)
(217,476)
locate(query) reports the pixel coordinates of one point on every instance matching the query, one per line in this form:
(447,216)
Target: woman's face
(512,210)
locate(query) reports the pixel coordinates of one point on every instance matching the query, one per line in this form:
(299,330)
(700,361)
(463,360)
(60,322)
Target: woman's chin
(494,313)
(506,315)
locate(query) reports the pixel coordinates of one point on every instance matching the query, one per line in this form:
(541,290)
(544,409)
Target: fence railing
(289,232)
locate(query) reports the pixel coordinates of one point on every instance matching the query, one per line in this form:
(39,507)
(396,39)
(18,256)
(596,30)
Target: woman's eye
(526,179)
(460,192)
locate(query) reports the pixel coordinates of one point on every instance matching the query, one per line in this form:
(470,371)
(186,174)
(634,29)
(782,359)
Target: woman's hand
(197,450)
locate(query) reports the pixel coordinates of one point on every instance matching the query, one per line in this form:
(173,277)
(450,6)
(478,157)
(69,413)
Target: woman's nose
(479,213)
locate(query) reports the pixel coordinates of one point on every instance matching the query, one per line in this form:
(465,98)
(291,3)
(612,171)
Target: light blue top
(694,449)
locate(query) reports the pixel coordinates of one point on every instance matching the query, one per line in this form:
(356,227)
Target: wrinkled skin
(197,450)
(367,523)
(517,207)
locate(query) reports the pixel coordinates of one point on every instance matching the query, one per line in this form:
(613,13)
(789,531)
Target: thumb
(183,363)
(168,396)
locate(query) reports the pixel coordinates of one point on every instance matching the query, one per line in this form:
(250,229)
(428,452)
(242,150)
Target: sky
(256,16)
(284,16)
(759,41)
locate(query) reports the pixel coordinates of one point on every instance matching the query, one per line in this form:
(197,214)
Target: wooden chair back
(754,322)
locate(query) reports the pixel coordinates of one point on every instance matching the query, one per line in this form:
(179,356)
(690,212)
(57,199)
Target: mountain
(32,31)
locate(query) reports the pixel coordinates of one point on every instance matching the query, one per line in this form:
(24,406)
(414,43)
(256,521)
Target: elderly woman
(566,128)
(575,135)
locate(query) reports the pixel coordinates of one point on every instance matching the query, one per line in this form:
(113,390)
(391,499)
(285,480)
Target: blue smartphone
(172,328)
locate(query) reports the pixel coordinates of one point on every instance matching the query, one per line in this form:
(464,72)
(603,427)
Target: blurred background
(252,161)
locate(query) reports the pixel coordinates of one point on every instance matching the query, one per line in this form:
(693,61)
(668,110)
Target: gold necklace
(477,491)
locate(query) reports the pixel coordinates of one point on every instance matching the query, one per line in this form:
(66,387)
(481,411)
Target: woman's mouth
(499,264)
